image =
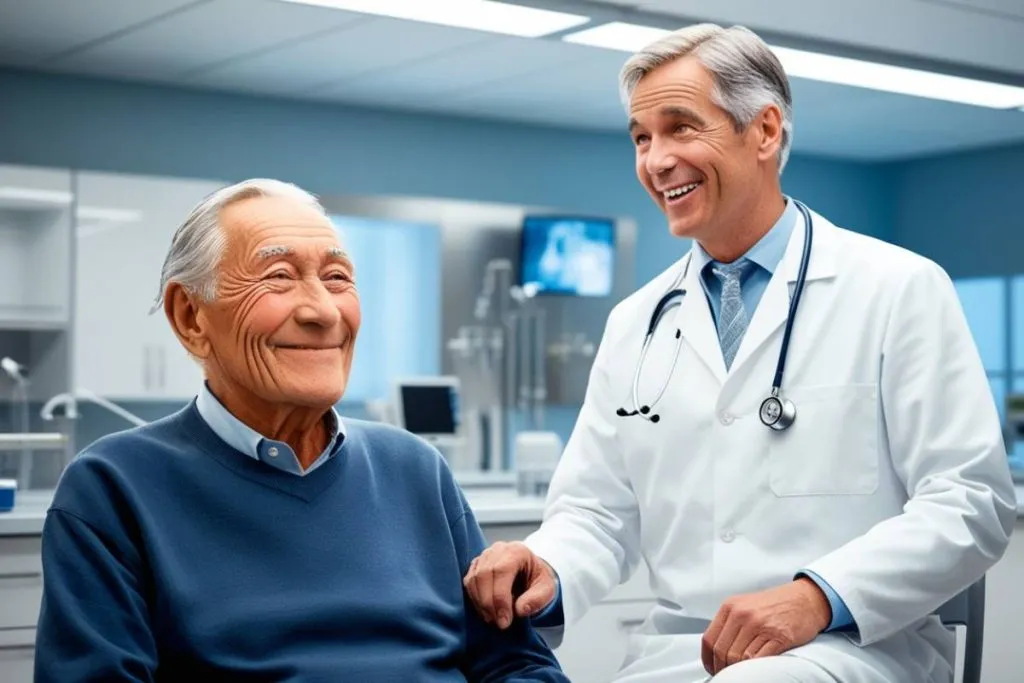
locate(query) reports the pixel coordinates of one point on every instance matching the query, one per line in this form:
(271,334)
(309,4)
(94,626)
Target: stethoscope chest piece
(777,413)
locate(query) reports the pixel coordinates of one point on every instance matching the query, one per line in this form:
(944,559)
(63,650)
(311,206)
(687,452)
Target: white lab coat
(892,484)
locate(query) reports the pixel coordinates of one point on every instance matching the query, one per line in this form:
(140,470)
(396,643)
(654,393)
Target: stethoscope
(777,412)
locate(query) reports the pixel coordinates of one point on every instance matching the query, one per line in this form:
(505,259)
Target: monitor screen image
(568,255)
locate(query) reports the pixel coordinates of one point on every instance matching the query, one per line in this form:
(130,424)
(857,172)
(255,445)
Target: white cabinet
(125,228)
(35,247)
(21,591)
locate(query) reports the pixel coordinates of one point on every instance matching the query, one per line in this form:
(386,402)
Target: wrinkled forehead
(267,229)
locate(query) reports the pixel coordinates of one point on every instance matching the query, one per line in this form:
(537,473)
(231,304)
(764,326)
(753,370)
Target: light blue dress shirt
(766,254)
(248,441)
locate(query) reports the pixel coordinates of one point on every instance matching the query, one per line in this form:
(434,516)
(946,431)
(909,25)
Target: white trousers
(775,670)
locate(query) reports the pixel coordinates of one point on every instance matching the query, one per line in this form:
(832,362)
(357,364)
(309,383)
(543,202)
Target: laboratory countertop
(492,505)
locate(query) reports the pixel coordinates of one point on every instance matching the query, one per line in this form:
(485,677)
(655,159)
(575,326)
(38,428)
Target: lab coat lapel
(697,325)
(773,310)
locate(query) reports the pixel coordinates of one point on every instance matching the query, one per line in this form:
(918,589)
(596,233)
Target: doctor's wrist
(819,608)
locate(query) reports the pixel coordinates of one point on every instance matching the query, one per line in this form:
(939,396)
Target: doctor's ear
(767,127)
(187,319)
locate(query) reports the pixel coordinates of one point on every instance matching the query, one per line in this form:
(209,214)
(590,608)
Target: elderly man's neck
(301,427)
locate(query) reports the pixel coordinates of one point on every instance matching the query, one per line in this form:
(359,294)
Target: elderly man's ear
(187,320)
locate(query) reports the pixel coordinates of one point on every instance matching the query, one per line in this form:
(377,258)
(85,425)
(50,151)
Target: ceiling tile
(464,70)
(206,34)
(33,31)
(310,66)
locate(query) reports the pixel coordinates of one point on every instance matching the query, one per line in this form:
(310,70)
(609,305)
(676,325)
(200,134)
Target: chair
(967,609)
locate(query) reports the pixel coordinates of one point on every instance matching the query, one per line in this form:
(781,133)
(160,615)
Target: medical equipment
(428,407)
(500,362)
(776,412)
(70,403)
(19,414)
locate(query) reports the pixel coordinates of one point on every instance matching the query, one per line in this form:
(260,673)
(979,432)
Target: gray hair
(198,244)
(748,75)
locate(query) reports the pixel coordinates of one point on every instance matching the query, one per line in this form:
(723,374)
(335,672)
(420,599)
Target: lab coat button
(726,418)
(272,452)
(728,536)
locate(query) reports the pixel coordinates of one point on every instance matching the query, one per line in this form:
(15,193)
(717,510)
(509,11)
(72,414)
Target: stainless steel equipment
(500,361)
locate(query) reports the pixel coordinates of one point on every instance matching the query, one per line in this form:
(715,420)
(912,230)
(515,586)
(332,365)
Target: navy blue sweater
(168,555)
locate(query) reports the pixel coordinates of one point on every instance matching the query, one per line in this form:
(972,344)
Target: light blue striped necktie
(732,317)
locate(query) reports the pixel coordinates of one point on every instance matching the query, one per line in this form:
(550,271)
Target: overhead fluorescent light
(898,79)
(829,69)
(481,15)
(101,213)
(617,35)
(32,194)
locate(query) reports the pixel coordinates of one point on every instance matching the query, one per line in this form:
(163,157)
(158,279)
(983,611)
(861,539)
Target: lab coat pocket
(832,447)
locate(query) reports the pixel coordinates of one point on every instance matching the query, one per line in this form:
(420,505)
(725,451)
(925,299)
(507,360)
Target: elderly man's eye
(339,277)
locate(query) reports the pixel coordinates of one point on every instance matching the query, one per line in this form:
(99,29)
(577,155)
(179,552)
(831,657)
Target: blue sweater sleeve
(841,617)
(93,623)
(552,615)
(513,655)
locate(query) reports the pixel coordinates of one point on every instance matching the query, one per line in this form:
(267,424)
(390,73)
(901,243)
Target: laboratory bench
(590,652)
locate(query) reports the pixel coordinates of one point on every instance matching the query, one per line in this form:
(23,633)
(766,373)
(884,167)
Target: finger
(771,648)
(485,588)
(538,594)
(504,577)
(750,652)
(720,652)
(741,643)
(707,643)
(470,572)
(738,649)
(472,587)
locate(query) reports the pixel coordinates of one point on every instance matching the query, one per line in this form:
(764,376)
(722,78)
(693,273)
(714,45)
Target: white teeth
(679,191)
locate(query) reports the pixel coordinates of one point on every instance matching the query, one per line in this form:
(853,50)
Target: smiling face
(704,174)
(283,326)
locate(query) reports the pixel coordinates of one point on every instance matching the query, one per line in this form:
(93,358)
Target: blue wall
(111,126)
(965,211)
(104,125)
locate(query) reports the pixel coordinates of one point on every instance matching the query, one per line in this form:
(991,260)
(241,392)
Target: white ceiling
(282,49)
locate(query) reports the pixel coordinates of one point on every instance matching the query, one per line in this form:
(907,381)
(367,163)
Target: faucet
(70,402)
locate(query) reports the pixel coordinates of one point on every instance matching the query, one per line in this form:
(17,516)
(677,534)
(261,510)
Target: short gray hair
(748,75)
(198,244)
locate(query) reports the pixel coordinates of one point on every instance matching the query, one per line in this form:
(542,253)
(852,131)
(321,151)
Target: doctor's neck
(737,232)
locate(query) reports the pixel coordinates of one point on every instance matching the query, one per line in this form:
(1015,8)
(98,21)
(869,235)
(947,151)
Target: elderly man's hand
(764,624)
(499,573)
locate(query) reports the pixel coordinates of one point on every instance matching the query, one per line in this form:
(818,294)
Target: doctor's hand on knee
(764,624)
(509,576)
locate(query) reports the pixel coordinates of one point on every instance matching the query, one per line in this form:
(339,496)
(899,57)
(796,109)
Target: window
(398,273)
(994,307)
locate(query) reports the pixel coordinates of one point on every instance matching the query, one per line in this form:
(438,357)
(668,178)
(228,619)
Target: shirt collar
(247,440)
(768,251)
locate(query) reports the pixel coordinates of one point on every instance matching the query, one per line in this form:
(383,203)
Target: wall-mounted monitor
(568,255)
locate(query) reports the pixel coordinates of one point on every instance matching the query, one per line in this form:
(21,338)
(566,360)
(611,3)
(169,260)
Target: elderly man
(255,535)
(791,425)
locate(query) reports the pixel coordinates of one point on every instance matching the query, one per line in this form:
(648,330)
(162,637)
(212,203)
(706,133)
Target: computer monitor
(569,255)
(429,407)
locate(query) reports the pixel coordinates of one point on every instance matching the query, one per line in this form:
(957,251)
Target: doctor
(807,537)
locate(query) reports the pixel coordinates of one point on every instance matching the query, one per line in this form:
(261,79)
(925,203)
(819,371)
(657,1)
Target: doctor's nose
(660,159)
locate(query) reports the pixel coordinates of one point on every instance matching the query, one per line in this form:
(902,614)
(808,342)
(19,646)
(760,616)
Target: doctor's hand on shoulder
(509,576)
(765,623)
